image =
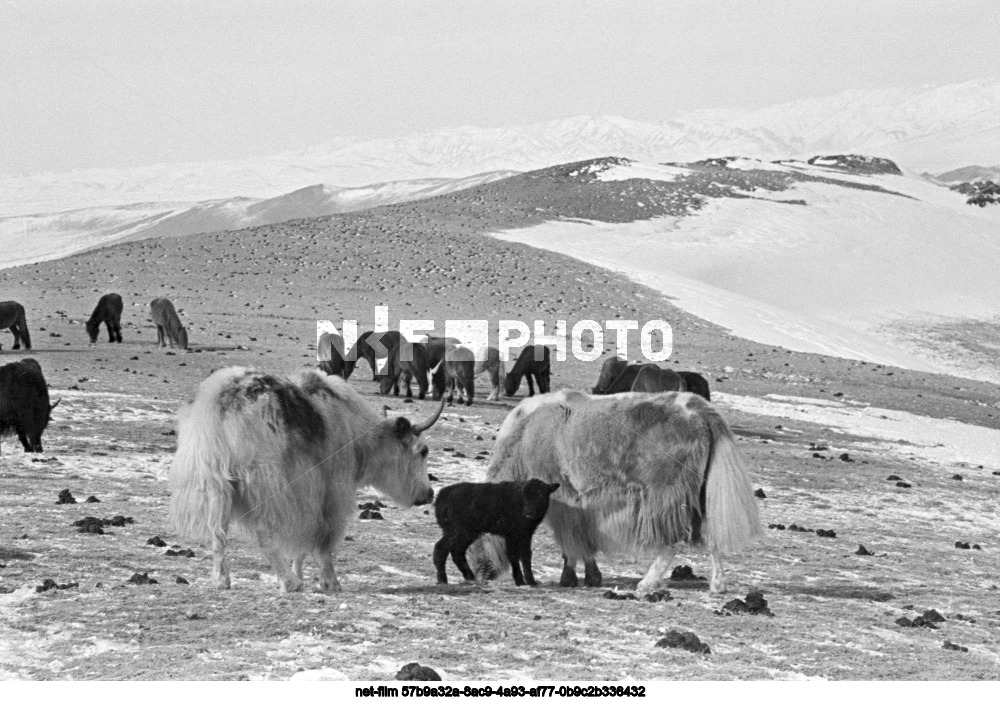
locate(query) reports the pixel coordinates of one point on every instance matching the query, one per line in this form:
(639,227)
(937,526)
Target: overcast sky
(112,84)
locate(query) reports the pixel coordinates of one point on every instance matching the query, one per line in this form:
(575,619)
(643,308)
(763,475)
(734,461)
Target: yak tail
(201,499)
(731,519)
(488,557)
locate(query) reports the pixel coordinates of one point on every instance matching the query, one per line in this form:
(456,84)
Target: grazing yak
(283,459)
(24,403)
(108,312)
(638,473)
(511,510)
(653,378)
(457,368)
(487,360)
(406,361)
(375,347)
(618,376)
(168,324)
(696,383)
(533,361)
(12,317)
(330,352)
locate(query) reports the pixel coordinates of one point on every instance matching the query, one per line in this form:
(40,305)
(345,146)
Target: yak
(533,362)
(653,378)
(168,324)
(12,317)
(24,403)
(457,368)
(109,312)
(283,458)
(637,473)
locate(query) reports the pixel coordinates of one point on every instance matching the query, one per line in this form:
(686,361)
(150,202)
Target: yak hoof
(291,584)
(222,582)
(592,576)
(330,586)
(569,579)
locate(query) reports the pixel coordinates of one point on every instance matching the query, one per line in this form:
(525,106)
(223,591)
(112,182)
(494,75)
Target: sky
(102,84)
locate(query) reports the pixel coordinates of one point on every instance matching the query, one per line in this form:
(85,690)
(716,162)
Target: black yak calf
(468,510)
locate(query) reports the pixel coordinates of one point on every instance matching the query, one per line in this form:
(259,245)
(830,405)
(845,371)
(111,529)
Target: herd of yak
(641,463)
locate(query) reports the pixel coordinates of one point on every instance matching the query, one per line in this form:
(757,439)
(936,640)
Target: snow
(931,440)
(826,278)
(645,171)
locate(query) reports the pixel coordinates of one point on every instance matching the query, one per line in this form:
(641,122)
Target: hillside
(868,451)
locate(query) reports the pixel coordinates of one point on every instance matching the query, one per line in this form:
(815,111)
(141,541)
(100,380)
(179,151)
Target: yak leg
(458,548)
(220,566)
(568,577)
(717,584)
(159,336)
(514,556)
(495,387)
(525,556)
(657,570)
(441,550)
(328,581)
(592,576)
(531,385)
(279,563)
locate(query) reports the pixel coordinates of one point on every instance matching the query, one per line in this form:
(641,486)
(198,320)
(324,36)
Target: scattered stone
(611,594)
(143,578)
(893,477)
(368,514)
(685,641)
(961,617)
(157,541)
(962,546)
(65,497)
(759,493)
(823,533)
(658,596)
(799,529)
(948,645)
(51,584)
(171,432)
(932,616)
(755,604)
(684,573)
(957,478)
(458,454)
(180,553)
(432,478)
(846,457)
(776,526)
(194,616)
(416,672)
(181,580)
(92,500)
(862,550)
(903,485)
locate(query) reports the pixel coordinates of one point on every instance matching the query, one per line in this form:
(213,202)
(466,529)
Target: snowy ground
(836,273)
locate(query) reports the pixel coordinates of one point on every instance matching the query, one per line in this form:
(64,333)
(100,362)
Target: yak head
(398,462)
(92,330)
(536,498)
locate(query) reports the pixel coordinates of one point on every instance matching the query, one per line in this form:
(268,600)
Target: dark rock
(932,616)
(368,514)
(51,584)
(180,553)
(903,485)
(685,641)
(684,573)
(755,604)
(893,477)
(143,578)
(65,497)
(957,478)
(904,622)
(611,594)
(157,541)
(181,580)
(962,546)
(93,500)
(948,645)
(658,596)
(822,533)
(776,526)
(416,672)
(759,493)
(846,457)
(862,550)
(432,478)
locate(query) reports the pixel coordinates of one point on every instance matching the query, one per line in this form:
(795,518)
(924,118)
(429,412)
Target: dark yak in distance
(406,361)
(529,364)
(109,312)
(653,378)
(365,348)
(618,376)
(24,403)
(12,317)
(168,324)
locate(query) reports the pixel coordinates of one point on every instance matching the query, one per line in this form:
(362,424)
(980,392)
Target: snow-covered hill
(885,268)
(35,237)
(930,129)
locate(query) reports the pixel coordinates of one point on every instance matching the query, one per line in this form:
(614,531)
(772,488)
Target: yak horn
(420,428)
(53,406)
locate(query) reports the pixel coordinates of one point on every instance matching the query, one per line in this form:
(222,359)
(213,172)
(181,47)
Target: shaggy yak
(330,350)
(406,361)
(24,403)
(109,312)
(639,473)
(168,324)
(487,361)
(375,347)
(12,317)
(696,383)
(652,378)
(511,510)
(458,368)
(283,459)
(531,362)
